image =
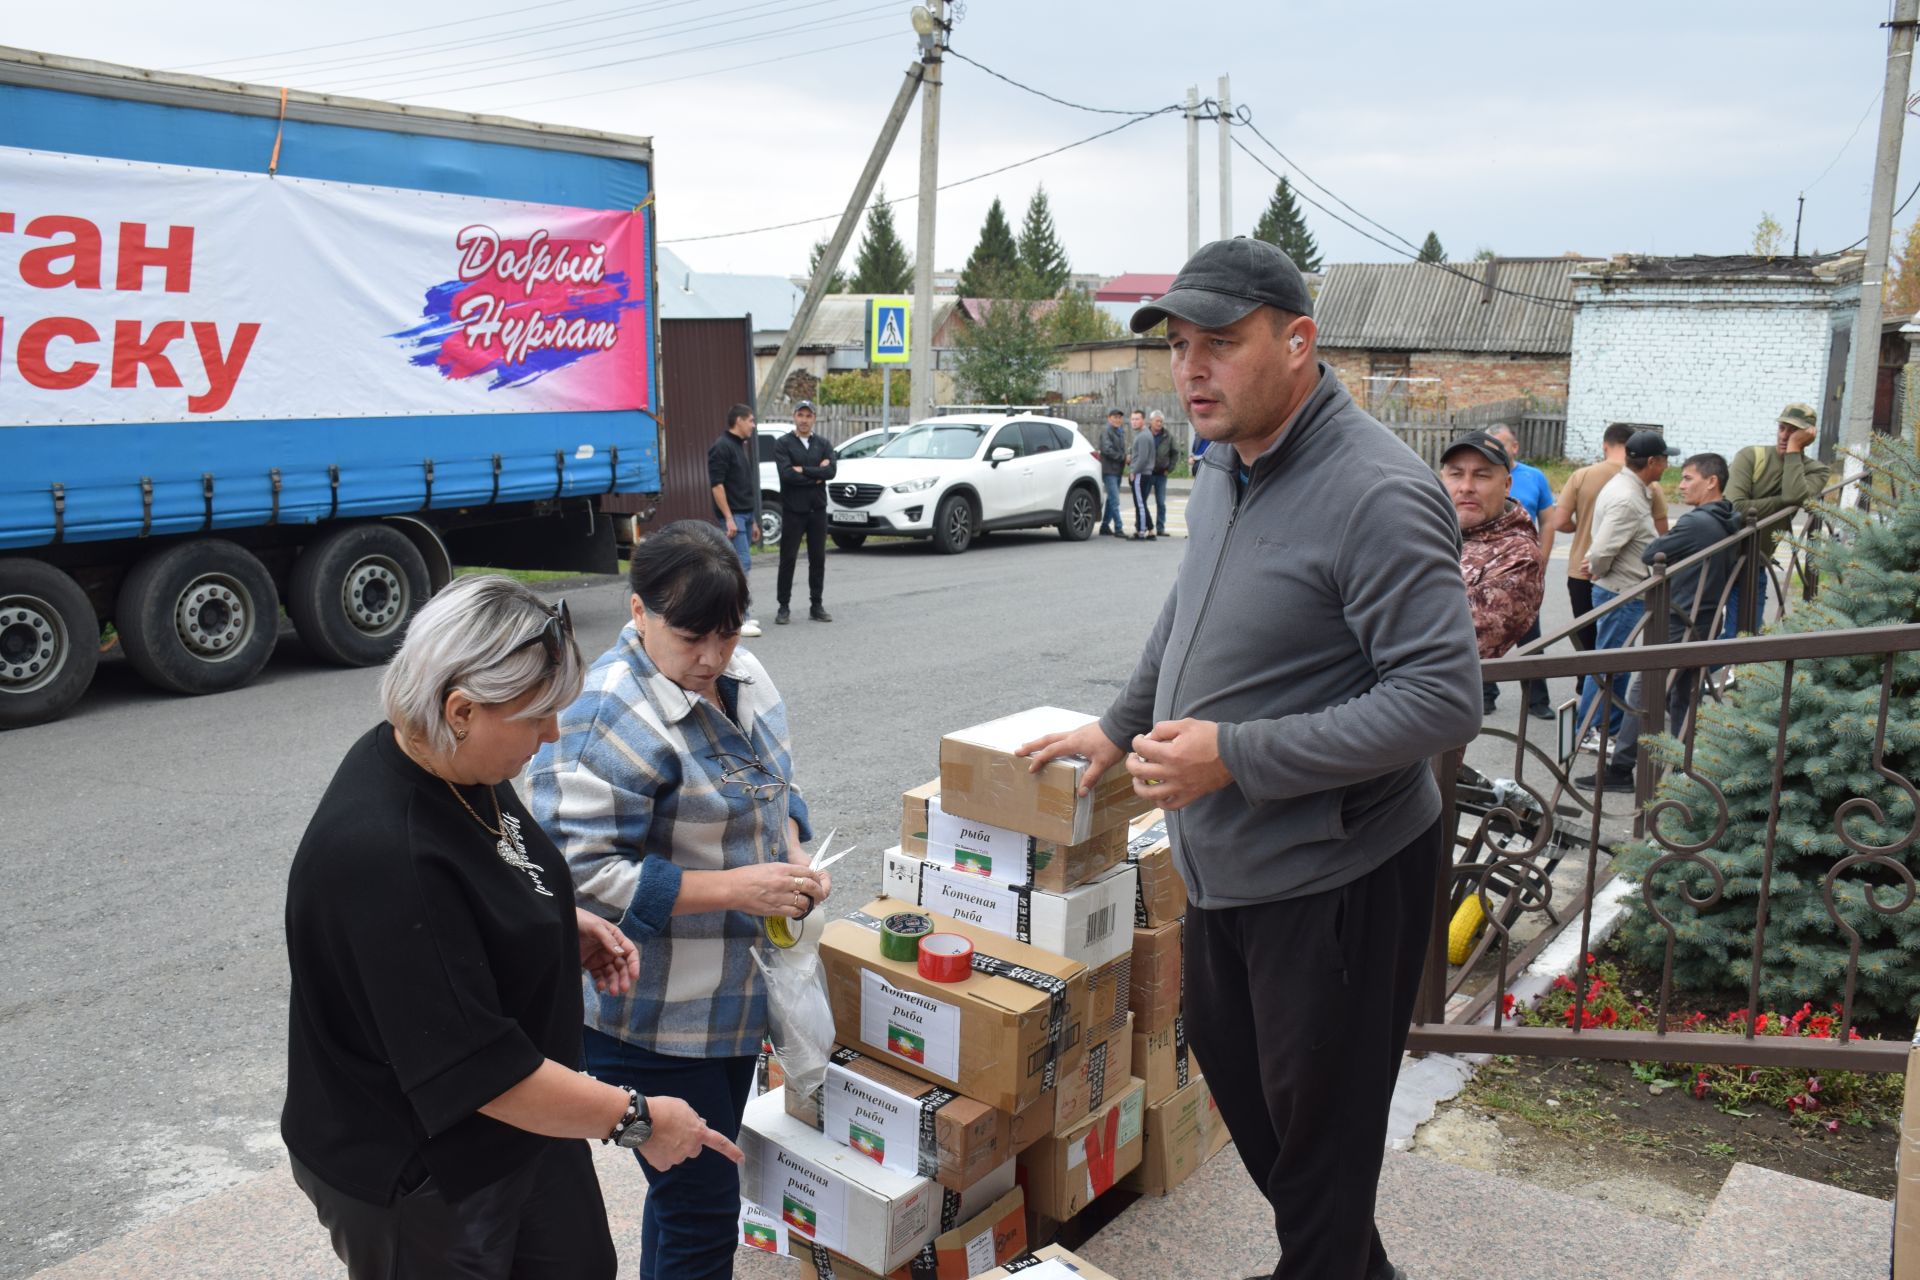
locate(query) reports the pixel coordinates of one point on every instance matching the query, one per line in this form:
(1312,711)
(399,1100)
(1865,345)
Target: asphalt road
(146,838)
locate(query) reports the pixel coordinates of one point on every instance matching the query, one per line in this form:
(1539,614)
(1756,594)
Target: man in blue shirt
(1532,490)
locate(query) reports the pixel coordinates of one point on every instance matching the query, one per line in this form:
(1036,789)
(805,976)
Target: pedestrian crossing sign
(887,331)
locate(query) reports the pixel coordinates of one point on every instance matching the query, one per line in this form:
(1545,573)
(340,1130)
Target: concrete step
(1773,1226)
(1439,1222)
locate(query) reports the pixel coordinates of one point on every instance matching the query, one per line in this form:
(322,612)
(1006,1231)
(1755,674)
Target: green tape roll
(900,935)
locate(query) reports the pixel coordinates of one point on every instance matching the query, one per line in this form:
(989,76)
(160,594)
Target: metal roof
(686,294)
(1417,306)
(841,320)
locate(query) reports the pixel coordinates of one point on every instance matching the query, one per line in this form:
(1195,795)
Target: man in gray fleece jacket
(1316,651)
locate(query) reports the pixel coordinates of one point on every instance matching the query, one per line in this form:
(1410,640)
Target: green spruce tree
(1430,250)
(1281,224)
(993,268)
(1041,254)
(837,282)
(1869,575)
(883,264)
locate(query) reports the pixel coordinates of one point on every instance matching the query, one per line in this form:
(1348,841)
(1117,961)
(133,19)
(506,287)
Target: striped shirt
(648,781)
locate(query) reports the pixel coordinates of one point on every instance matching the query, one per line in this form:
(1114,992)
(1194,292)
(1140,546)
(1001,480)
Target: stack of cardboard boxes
(962,1120)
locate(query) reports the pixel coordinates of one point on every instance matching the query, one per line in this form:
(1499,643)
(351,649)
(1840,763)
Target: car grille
(854,495)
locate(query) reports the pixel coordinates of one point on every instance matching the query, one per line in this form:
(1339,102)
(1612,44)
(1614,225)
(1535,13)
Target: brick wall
(1466,378)
(1711,361)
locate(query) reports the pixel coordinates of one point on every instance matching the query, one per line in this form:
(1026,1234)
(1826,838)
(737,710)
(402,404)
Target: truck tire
(199,617)
(49,642)
(352,593)
(953,525)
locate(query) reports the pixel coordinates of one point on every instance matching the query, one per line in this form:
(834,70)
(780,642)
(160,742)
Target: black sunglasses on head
(554,634)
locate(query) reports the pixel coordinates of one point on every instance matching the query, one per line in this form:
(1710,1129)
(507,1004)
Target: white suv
(950,478)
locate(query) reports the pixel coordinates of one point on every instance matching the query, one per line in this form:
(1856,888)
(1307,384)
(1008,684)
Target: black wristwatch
(636,1126)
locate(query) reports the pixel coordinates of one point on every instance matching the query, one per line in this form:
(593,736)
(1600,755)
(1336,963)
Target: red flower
(1563,983)
(1700,1086)
(1608,1017)
(1833,1125)
(1507,1003)
(1760,1023)
(1821,1025)
(1738,1015)
(1593,992)
(1589,958)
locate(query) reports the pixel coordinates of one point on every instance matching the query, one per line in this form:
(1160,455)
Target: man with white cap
(1316,652)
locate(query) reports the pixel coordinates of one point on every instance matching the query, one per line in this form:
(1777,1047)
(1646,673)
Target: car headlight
(915,486)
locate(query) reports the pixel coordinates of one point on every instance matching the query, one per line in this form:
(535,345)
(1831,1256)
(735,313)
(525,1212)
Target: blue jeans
(1732,624)
(1110,515)
(692,1209)
(742,542)
(1160,501)
(1613,630)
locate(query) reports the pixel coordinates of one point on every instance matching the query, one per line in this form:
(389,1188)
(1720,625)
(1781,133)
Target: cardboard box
(904,1122)
(828,1194)
(1087,923)
(1160,895)
(1108,1066)
(988,1240)
(1161,1059)
(1109,989)
(1906,1192)
(1065,1173)
(1001,853)
(981,778)
(1183,1133)
(1055,1264)
(1158,979)
(1003,1036)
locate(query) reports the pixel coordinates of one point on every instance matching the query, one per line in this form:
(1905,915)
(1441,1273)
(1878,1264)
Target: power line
(695,75)
(1871,104)
(1245,116)
(500,36)
(945,186)
(665,53)
(390,35)
(534,57)
(1077,106)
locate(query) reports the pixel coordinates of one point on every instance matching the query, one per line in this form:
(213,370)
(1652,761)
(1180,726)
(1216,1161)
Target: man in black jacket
(1694,594)
(806,463)
(1113,462)
(736,482)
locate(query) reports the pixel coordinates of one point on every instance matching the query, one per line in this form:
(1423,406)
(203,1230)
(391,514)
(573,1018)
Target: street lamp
(925,25)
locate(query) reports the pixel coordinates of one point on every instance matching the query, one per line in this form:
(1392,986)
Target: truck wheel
(200,617)
(770,520)
(952,525)
(352,593)
(49,643)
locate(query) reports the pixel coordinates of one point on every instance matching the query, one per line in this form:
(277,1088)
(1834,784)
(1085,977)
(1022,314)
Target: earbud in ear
(1293,343)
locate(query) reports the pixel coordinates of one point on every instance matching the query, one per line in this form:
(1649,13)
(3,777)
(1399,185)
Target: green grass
(1558,469)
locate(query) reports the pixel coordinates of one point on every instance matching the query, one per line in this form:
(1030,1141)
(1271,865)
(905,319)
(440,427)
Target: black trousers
(814,521)
(1580,596)
(1298,1012)
(543,1221)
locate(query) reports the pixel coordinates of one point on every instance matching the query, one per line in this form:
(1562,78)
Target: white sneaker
(750,629)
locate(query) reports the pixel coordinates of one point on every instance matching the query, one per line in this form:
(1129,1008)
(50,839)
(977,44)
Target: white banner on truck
(134,292)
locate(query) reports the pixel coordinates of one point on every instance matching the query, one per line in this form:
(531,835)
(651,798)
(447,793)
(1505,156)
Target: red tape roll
(945,957)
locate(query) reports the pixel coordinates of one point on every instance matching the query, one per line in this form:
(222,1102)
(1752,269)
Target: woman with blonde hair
(434,1104)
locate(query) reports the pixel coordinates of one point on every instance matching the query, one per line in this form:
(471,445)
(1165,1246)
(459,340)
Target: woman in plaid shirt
(670,794)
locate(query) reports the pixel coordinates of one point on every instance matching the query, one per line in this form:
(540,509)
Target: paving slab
(1772,1226)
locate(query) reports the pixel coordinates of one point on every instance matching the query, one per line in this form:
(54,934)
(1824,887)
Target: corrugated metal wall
(706,367)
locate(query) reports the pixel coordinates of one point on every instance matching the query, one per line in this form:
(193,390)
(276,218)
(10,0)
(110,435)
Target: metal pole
(886,397)
(1226,161)
(1799,215)
(1857,431)
(921,357)
(1193,170)
(776,378)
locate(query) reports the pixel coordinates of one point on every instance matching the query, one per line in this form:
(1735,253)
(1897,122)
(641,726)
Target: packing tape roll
(901,933)
(945,957)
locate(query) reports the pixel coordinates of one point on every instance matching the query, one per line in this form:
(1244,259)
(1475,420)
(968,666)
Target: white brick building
(1709,349)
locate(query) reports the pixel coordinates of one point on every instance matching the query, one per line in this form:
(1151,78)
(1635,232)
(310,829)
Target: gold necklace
(497,832)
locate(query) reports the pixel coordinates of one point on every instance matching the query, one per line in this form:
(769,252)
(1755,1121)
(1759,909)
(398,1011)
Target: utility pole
(1857,431)
(921,357)
(776,381)
(1226,161)
(1193,170)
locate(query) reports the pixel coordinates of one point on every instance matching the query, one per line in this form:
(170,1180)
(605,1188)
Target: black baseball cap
(1225,281)
(1115,413)
(1648,444)
(1483,444)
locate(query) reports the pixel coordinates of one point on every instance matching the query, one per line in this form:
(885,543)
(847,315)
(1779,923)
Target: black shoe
(1540,711)
(783,617)
(819,614)
(1489,703)
(1612,780)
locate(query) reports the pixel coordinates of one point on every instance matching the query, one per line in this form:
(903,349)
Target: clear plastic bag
(800,1020)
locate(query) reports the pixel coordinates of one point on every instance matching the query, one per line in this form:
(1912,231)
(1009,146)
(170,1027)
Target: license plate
(849,517)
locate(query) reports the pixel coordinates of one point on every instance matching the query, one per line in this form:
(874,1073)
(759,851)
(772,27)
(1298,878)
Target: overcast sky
(1531,128)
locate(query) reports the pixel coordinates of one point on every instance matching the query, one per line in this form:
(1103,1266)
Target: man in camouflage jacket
(1500,548)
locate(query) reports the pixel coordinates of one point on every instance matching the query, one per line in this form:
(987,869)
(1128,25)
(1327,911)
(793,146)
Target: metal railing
(1503,862)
